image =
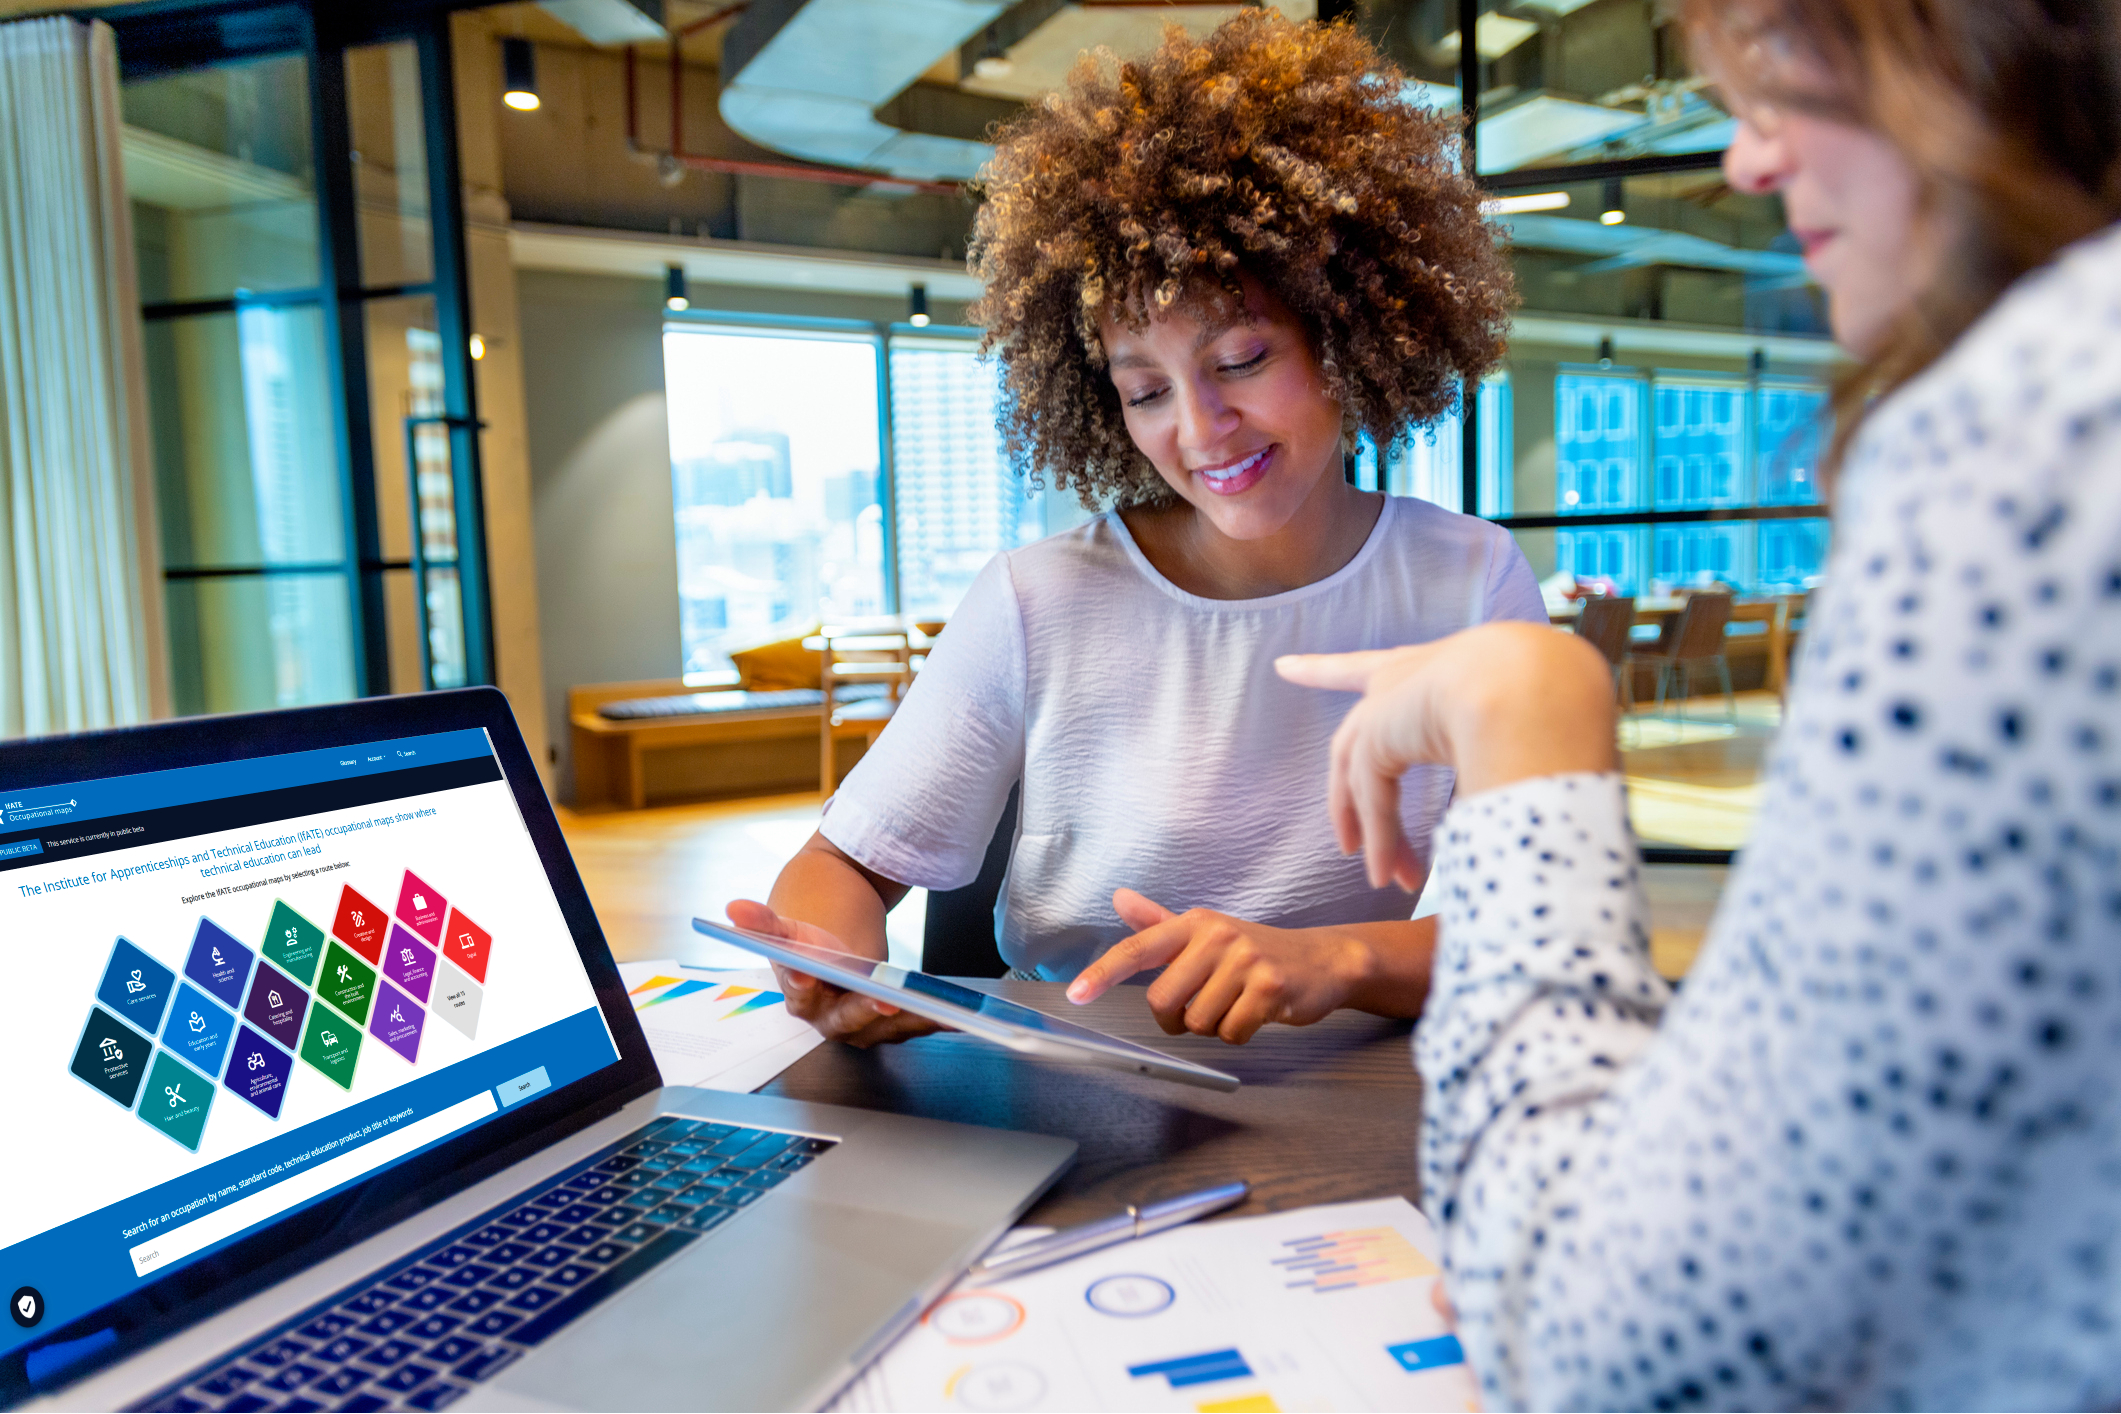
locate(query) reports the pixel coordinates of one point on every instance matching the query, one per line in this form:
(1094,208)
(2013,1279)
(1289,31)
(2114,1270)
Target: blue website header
(45,806)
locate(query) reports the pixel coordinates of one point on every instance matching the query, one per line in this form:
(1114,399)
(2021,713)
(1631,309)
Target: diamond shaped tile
(277,1005)
(111,1056)
(466,944)
(219,964)
(397,1021)
(332,1046)
(409,963)
(457,998)
(198,1030)
(258,1071)
(360,924)
(293,943)
(136,987)
(177,1100)
(421,909)
(347,982)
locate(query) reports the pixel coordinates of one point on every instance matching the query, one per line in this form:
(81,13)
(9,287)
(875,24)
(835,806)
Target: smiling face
(1231,411)
(1853,202)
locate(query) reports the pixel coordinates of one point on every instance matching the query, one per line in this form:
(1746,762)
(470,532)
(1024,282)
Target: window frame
(166,37)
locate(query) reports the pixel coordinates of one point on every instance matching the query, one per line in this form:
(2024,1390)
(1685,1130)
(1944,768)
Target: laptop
(322,1092)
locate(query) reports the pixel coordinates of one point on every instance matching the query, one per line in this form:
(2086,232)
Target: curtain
(81,631)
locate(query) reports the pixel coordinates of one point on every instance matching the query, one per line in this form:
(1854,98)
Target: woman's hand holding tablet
(898,994)
(841,1015)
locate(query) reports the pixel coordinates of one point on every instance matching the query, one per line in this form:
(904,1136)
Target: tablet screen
(837,966)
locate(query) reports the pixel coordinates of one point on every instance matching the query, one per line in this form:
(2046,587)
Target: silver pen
(1105,1232)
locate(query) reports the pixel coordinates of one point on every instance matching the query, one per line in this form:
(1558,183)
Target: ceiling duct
(805,77)
(609,23)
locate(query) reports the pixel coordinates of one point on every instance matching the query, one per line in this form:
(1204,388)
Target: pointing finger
(1153,947)
(1338,672)
(1138,911)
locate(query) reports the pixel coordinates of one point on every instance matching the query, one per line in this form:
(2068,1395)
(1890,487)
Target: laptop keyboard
(421,1332)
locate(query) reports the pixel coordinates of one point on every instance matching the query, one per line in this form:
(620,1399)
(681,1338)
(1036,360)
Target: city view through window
(775,450)
(1710,443)
(774,471)
(958,502)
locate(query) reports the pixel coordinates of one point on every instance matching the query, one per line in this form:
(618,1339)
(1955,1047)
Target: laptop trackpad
(751,1317)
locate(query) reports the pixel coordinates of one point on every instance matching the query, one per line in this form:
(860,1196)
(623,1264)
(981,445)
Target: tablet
(1021,1029)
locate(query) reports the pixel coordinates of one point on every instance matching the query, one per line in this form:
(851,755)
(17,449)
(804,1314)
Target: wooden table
(1327,1114)
(1647,611)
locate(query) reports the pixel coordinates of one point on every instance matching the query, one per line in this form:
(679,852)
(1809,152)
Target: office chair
(1696,638)
(1605,623)
(958,939)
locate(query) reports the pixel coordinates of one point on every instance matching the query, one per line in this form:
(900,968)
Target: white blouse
(1156,746)
(1870,1155)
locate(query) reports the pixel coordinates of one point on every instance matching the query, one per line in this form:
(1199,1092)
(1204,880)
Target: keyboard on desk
(419,1333)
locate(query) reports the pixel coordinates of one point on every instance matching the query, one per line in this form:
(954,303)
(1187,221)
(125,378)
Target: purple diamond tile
(258,1071)
(410,963)
(219,964)
(277,1005)
(396,1021)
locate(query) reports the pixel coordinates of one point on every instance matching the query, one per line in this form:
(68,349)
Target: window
(774,462)
(1789,421)
(307,358)
(777,478)
(1700,442)
(1431,464)
(1597,442)
(958,504)
(1714,443)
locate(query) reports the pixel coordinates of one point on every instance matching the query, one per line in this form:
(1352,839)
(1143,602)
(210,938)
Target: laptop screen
(233,989)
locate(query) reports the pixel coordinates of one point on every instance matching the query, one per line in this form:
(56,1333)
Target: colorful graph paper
(1342,1261)
(1202,1369)
(682,989)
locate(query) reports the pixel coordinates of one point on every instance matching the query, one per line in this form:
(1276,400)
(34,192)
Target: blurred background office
(612,352)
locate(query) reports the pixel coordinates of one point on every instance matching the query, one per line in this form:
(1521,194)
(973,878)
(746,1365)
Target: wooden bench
(767,751)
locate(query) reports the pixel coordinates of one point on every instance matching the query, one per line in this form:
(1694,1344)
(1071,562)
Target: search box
(181,1242)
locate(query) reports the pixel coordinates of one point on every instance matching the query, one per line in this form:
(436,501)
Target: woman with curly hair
(1205,272)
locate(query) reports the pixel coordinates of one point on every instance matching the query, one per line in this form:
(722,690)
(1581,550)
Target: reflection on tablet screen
(923,984)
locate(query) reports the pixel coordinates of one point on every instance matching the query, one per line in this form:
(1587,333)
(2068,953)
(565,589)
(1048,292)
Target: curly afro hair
(1272,149)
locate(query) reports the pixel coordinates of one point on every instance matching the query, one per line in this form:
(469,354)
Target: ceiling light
(919,318)
(478,348)
(993,61)
(1534,201)
(519,75)
(1615,207)
(674,289)
(1493,35)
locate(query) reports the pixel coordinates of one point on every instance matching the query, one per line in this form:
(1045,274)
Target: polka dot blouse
(1870,1155)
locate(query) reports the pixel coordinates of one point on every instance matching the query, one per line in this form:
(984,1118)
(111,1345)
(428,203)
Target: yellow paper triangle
(651,984)
(728,992)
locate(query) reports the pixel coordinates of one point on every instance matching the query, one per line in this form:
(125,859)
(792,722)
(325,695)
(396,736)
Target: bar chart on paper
(1320,1308)
(713,1028)
(1342,1261)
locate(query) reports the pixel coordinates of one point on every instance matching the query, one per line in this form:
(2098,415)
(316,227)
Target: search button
(524,1086)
